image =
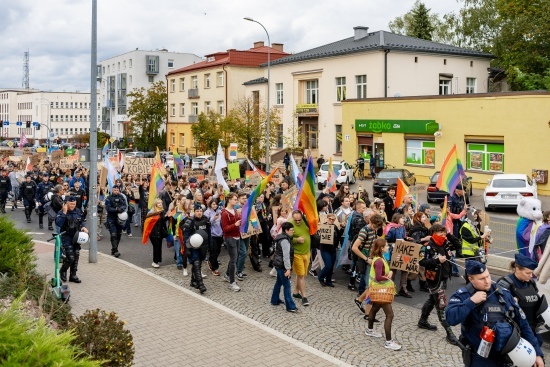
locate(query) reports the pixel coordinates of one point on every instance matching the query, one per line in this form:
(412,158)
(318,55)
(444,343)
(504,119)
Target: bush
(101,335)
(30,342)
(16,249)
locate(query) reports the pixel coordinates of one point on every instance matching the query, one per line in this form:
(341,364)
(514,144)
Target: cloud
(58,32)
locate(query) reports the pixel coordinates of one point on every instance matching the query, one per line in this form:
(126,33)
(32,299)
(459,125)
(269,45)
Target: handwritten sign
(252,178)
(251,230)
(4,153)
(56,156)
(415,189)
(68,162)
(289,197)
(405,256)
(36,159)
(138,166)
(326,233)
(199,175)
(27,151)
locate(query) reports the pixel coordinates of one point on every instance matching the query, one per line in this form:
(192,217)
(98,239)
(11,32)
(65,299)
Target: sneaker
(240,276)
(130,235)
(297,295)
(155,265)
(234,287)
(136,225)
(313,273)
(273,272)
(226,278)
(185,272)
(216,273)
(294,310)
(373,333)
(305,302)
(390,344)
(203,275)
(360,305)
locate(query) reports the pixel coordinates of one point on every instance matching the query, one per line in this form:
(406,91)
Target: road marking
(35,233)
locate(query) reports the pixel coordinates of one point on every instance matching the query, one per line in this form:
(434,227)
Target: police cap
(71,199)
(45,174)
(524,261)
(197,206)
(474,267)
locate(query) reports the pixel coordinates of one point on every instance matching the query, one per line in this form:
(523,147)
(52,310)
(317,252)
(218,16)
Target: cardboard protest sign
(419,193)
(199,175)
(253,221)
(277,177)
(4,153)
(68,162)
(289,197)
(275,213)
(326,233)
(56,156)
(138,166)
(14,158)
(103,177)
(233,171)
(27,151)
(405,256)
(252,178)
(36,159)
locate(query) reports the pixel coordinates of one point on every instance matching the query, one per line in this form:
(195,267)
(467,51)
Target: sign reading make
(397,126)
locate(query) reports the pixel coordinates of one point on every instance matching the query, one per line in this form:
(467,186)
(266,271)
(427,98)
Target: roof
(261,80)
(380,40)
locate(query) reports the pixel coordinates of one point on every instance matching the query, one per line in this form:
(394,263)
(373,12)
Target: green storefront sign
(397,126)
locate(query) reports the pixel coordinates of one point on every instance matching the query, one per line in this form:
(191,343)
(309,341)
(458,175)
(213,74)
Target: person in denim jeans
(244,243)
(231,220)
(328,254)
(282,262)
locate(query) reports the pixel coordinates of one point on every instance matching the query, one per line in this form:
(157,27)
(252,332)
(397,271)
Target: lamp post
(49,121)
(267,137)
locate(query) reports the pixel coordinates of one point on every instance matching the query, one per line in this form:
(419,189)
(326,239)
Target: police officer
(27,191)
(524,289)
(79,194)
(70,220)
(5,189)
(43,188)
(197,224)
(482,305)
(115,204)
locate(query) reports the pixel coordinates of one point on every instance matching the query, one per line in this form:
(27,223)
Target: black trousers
(215,249)
(157,249)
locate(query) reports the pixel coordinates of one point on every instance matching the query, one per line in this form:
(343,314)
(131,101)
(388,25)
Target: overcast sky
(57,33)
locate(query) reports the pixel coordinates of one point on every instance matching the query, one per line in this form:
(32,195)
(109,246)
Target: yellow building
(214,84)
(493,133)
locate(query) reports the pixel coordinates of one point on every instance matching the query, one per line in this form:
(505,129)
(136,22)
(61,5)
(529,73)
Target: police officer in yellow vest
(473,243)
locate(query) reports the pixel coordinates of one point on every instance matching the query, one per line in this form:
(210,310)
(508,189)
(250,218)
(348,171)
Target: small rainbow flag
(451,172)
(157,182)
(255,169)
(105,148)
(305,201)
(178,163)
(249,205)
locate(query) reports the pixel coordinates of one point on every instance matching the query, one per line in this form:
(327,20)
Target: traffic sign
(6,123)
(51,135)
(112,140)
(19,123)
(10,143)
(35,123)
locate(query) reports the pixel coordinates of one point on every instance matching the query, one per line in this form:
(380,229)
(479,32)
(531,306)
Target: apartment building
(214,84)
(120,74)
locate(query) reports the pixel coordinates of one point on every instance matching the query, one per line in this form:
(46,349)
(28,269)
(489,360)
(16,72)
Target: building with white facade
(63,114)
(121,74)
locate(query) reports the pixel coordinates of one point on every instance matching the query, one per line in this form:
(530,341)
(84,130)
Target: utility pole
(94,189)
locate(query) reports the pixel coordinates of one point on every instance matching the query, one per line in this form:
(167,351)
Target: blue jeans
(243,251)
(285,282)
(364,282)
(329,258)
(231,245)
(177,247)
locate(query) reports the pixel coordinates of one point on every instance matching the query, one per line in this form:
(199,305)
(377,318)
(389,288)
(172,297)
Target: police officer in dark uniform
(43,188)
(70,220)
(27,191)
(524,289)
(484,306)
(115,204)
(434,257)
(197,224)
(79,194)
(5,189)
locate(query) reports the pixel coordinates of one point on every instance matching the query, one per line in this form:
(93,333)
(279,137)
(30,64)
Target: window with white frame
(221,108)
(194,82)
(207,107)
(444,87)
(471,85)
(130,63)
(279,93)
(361,82)
(341,89)
(195,108)
(182,109)
(151,79)
(173,109)
(420,152)
(280,135)
(207,80)
(220,78)
(182,84)
(173,138)
(182,140)
(172,85)
(170,64)
(312,91)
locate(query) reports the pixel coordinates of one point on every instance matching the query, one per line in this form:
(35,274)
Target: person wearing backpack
(282,262)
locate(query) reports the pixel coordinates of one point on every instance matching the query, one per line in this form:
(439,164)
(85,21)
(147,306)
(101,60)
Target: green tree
(147,111)
(293,139)
(205,132)
(418,22)
(85,138)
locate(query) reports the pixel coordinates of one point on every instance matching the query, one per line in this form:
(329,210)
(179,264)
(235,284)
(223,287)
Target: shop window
(485,157)
(420,152)
(280,136)
(338,138)
(341,89)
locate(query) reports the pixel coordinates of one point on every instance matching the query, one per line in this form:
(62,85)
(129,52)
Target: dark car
(388,177)
(244,166)
(435,195)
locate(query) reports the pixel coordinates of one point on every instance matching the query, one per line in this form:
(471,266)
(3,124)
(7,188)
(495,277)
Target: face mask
(438,239)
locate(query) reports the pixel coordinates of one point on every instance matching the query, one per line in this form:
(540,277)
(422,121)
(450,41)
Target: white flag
(220,164)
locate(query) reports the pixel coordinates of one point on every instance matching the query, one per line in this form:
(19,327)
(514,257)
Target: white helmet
(544,312)
(48,196)
(81,238)
(122,217)
(196,240)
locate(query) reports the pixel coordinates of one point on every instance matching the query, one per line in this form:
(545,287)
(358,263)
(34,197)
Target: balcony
(311,109)
(193,118)
(193,93)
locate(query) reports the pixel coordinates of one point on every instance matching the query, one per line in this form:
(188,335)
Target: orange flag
(400,193)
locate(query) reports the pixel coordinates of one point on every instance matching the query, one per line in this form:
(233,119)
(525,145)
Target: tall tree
(418,22)
(147,111)
(205,132)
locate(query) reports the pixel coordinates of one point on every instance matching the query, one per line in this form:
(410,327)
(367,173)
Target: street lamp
(49,121)
(267,137)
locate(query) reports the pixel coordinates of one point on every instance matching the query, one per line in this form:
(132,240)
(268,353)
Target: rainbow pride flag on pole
(157,182)
(249,205)
(178,163)
(332,176)
(306,199)
(105,148)
(451,172)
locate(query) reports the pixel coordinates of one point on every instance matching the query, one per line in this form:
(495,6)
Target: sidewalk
(173,326)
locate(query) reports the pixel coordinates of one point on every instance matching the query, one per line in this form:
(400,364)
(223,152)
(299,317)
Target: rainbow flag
(254,219)
(157,182)
(105,148)
(446,220)
(400,193)
(305,201)
(249,205)
(451,172)
(259,171)
(178,163)
(332,176)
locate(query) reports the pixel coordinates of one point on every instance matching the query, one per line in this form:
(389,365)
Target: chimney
(277,46)
(360,32)
(258,44)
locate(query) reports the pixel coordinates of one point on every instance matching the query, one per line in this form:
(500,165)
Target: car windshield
(435,177)
(389,174)
(337,167)
(198,160)
(509,183)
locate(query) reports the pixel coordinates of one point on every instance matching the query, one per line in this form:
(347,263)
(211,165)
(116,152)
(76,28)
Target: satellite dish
(397,95)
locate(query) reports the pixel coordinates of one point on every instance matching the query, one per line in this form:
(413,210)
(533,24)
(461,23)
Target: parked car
(206,160)
(388,177)
(435,195)
(135,154)
(244,166)
(345,177)
(507,190)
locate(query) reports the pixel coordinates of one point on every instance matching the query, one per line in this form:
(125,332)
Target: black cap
(197,206)
(459,187)
(474,267)
(525,262)
(71,199)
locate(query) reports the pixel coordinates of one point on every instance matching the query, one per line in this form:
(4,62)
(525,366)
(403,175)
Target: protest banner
(405,256)
(275,213)
(41,150)
(103,177)
(251,230)
(4,153)
(14,159)
(233,171)
(36,159)
(326,233)
(277,177)
(252,178)
(138,166)
(419,193)
(289,197)
(56,156)
(233,151)
(27,151)
(198,174)
(68,162)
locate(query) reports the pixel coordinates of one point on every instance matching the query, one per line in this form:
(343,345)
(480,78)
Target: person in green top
(301,241)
